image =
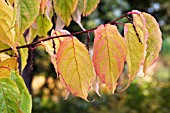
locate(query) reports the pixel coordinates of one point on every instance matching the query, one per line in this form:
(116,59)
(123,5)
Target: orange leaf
(109,54)
(75,67)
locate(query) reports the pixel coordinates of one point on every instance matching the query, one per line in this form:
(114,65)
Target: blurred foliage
(150,94)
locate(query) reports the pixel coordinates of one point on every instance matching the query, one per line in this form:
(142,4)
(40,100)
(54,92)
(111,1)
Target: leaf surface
(9,96)
(75,67)
(90,5)
(44,24)
(154,41)
(135,50)
(7,65)
(27,11)
(23,53)
(109,54)
(25,97)
(65,9)
(7,32)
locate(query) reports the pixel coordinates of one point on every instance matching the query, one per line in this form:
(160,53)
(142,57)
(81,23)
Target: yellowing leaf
(7,65)
(23,53)
(7,32)
(75,67)
(135,50)
(49,45)
(140,26)
(89,6)
(44,24)
(65,9)
(108,55)
(154,41)
(27,11)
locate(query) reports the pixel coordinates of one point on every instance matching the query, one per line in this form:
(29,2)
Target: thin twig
(53,37)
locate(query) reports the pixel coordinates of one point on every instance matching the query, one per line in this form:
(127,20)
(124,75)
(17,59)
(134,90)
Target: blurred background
(150,94)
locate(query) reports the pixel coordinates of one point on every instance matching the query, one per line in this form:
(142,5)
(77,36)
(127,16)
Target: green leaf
(65,9)
(90,6)
(23,53)
(135,50)
(9,96)
(25,97)
(154,41)
(44,24)
(27,11)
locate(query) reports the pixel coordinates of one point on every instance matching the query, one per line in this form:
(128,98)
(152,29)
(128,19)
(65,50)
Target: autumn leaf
(23,53)
(75,67)
(43,5)
(44,24)
(27,11)
(108,55)
(135,50)
(65,9)
(7,33)
(154,41)
(7,65)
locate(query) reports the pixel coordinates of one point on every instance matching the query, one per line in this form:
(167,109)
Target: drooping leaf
(27,11)
(9,96)
(75,67)
(59,23)
(44,24)
(53,49)
(32,33)
(154,41)
(135,50)
(109,54)
(65,9)
(77,13)
(25,98)
(90,6)
(7,32)
(7,65)
(23,53)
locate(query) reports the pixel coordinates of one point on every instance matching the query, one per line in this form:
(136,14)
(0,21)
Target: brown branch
(53,37)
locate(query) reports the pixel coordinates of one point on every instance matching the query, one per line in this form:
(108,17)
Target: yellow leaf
(109,54)
(4,56)
(75,67)
(7,33)
(135,50)
(7,65)
(154,41)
